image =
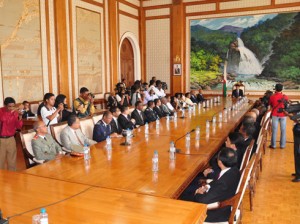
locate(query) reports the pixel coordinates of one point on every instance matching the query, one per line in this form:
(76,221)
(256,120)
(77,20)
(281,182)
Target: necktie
(45,138)
(78,138)
(141,116)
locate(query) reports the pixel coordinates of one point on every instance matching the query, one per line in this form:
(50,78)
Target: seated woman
(65,113)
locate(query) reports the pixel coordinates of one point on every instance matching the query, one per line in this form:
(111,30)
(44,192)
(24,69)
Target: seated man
(158,109)
(84,104)
(138,114)
(200,97)
(26,110)
(237,93)
(114,124)
(124,119)
(72,136)
(165,107)
(222,188)
(150,113)
(43,145)
(102,128)
(193,96)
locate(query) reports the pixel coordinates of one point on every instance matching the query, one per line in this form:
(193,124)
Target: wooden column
(61,47)
(177,46)
(113,41)
(142,32)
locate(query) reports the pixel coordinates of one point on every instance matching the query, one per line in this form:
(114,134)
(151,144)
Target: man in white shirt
(49,113)
(72,136)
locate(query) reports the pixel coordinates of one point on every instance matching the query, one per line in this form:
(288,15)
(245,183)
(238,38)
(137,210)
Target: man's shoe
(297,179)
(271,147)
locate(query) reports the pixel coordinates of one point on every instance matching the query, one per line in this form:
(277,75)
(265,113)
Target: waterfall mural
(259,50)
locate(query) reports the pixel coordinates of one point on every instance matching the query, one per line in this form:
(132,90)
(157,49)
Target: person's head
(26,105)
(151,104)
(154,78)
(193,92)
(247,130)
(73,121)
(40,128)
(115,111)
(163,100)
(227,158)
(234,140)
(178,95)
(157,102)
(123,80)
(248,120)
(158,84)
(151,92)
(107,117)
(125,110)
(188,95)
(237,86)
(168,98)
(200,91)
(49,99)
(84,93)
(122,91)
(139,105)
(145,86)
(252,114)
(9,103)
(256,111)
(278,87)
(152,83)
(60,98)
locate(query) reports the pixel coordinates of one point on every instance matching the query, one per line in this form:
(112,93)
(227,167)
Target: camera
(92,95)
(290,108)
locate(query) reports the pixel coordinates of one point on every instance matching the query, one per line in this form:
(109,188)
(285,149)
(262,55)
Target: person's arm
(98,134)
(66,140)
(213,195)
(79,106)
(19,122)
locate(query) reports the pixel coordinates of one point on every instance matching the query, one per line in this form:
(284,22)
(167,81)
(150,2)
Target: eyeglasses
(42,126)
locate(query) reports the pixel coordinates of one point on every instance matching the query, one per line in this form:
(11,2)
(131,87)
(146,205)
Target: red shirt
(278,96)
(9,121)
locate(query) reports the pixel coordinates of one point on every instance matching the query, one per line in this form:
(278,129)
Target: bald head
(251,114)
(40,128)
(256,111)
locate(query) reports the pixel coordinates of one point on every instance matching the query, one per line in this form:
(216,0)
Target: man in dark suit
(158,109)
(102,128)
(237,93)
(200,97)
(221,189)
(124,119)
(193,97)
(138,114)
(114,124)
(150,113)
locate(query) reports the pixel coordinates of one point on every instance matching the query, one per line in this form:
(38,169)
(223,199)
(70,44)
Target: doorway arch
(136,55)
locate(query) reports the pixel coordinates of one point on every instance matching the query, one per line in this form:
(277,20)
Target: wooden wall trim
(94,3)
(158,17)
(207,2)
(128,14)
(129,4)
(142,38)
(157,7)
(48,47)
(72,49)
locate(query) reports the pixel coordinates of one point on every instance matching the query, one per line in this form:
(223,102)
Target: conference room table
(23,195)
(129,168)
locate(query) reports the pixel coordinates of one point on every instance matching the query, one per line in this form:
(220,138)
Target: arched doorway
(127,62)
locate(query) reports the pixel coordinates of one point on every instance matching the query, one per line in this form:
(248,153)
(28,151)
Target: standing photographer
(278,116)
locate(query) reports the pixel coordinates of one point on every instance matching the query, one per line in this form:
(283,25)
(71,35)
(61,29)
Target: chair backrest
(237,199)
(34,107)
(265,117)
(25,140)
(56,130)
(259,140)
(246,156)
(87,127)
(97,117)
(131,109)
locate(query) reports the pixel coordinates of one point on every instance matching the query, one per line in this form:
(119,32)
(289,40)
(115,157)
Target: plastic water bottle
(197,133)
(86,152)
(182,113)
(220,117)
(214,120)
(168,117)
(108,142)
(172,152)
(128,135)
(188,140)
(175,115)
(155,161)
(157,124)
(146,128)
(43,216)
(207,124)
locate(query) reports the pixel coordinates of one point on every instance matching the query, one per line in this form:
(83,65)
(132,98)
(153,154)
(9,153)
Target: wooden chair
(24,140)
(87,127)
(236,200)
(34,107)
(246,156)
(56,129)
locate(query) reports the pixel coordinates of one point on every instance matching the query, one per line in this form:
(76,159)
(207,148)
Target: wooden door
(127,62)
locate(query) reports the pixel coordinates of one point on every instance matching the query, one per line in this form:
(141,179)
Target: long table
(23,195)
(128,168)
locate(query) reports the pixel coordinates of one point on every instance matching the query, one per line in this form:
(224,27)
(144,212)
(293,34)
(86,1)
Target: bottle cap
(43,210)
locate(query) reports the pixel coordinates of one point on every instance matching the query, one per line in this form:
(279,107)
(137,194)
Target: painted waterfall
(259,50)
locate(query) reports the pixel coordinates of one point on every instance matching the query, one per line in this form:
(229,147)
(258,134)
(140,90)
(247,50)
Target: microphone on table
(179,150)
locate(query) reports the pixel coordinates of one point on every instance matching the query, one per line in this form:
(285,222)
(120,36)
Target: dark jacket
(159,111)
(114,127)
(101,131)
(220,190)
(150,115)
(124,122)
(237,94)
(137,117)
